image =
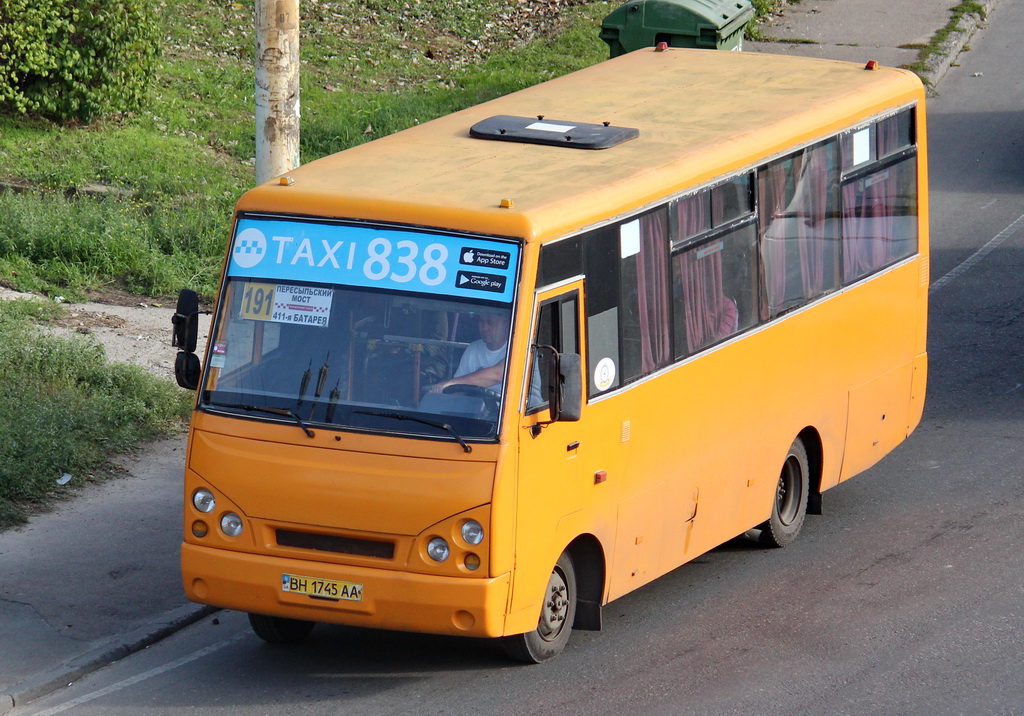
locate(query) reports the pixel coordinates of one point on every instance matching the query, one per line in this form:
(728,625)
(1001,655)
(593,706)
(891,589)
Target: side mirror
(185,335)
(565,387)
(185,321)
(187,370)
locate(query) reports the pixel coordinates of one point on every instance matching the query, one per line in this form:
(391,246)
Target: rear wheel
(278,630)
(556,617)
(790,506)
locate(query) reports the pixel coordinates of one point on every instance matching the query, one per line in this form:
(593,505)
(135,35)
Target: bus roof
(700,114)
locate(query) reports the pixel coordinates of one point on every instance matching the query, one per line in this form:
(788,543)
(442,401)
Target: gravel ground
(130,329)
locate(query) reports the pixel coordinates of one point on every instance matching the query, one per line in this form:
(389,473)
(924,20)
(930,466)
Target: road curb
(102,654)
(939,62)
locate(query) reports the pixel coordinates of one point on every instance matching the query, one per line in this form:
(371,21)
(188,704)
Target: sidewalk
(862,30)
(97,578)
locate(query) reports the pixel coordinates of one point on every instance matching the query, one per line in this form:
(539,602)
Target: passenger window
(715,289)
(644,318)
(799,226)
(879,219)
(731,200)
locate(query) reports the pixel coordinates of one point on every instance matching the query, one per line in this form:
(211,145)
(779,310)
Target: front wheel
(556,617)
(278,630)
(790,505)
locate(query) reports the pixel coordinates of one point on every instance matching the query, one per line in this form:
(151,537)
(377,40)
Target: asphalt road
(906,597)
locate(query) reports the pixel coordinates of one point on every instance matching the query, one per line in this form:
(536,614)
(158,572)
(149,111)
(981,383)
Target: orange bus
(486,375)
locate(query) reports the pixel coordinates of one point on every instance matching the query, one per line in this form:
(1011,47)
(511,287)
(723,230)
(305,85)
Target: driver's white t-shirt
(476,356)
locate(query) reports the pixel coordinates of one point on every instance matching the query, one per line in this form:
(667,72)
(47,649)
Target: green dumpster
(711,24)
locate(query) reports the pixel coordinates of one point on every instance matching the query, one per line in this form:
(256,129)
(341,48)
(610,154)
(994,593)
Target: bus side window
(601,261)
(799,226)
(879,195)
(644,313)
(556,327)
(715,290)
(714,285)
(879,219)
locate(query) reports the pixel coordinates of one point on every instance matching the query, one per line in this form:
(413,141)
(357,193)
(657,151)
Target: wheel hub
(552,619)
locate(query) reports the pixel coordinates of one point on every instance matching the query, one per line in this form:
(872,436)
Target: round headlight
(438,550)
(204,500)
(472,532)
(231,524)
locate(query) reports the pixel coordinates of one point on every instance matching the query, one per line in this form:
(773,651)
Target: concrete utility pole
(277,88)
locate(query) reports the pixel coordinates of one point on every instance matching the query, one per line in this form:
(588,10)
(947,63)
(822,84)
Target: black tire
(789,507)
(556,618)
(278,630)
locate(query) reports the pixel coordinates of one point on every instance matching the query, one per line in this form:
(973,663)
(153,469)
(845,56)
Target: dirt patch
(130,329)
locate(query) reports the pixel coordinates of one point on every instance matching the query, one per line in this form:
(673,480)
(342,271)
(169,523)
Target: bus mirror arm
(185,335)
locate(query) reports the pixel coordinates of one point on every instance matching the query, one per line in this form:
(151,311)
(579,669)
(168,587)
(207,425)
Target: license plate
(323,588)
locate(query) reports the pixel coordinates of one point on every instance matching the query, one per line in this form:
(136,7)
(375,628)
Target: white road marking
(978,255)
(143,676)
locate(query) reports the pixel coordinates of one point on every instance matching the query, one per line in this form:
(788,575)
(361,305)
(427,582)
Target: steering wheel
(491,398)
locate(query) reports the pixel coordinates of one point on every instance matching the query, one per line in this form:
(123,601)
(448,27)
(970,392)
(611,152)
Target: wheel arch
(589,563)
(811,439)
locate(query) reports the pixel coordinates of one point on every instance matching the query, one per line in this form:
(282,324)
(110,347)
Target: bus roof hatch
(538,130)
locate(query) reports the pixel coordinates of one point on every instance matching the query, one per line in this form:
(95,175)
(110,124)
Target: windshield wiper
(273,411)
(431,423)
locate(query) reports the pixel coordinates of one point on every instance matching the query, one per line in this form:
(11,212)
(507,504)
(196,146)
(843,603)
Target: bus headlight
(472,532)
(231,524)
(203,500)
(437,549)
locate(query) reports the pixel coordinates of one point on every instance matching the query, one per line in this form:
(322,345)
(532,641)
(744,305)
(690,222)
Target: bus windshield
(389,344)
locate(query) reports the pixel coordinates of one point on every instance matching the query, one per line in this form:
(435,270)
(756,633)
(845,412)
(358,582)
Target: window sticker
(875,179)
(862,146)
(712,248)
(629,239)
(604,374)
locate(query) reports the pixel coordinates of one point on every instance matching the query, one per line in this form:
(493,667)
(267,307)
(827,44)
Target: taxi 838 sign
(341,254)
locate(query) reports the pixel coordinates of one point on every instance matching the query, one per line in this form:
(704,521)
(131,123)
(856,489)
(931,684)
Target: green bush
(75,59)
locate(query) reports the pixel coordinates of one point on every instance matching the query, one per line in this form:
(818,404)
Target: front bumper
(391,599)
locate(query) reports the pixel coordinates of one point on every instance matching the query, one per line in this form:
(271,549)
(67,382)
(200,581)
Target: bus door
(561,473)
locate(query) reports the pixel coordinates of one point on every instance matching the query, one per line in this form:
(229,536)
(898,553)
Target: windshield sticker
(308,305)
(273,249)
(257,301)
(219,354)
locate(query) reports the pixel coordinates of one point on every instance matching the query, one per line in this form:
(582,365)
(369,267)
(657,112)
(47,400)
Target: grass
(762,9)
(937,41)
(66,409)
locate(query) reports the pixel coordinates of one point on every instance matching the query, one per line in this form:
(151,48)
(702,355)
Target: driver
(483,361)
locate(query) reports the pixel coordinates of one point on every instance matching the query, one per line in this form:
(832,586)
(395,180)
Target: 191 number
(257,301)
(379,263)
